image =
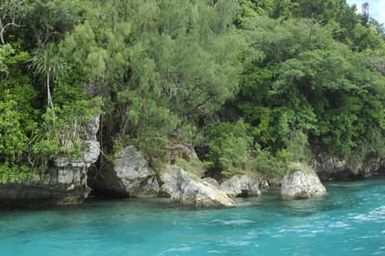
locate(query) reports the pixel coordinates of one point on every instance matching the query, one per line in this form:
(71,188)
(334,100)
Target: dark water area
(350,220)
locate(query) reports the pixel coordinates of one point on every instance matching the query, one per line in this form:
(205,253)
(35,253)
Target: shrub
(229,146)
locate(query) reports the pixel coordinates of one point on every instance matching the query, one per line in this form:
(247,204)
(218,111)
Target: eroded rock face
(242,186)
(183,151)
(130,176)
(184,189)
(65,181)
(41,195)
(301,182)
(89,157)
(211,181)
(92,129)
(336,168)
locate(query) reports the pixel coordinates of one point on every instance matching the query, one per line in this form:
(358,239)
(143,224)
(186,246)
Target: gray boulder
(130,176)
(301,182)
(189,191)
(331,167)
(211,181)
(242,186)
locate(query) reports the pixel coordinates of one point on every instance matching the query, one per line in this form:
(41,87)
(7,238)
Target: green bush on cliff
(10,173)
(62,129)
(194,167)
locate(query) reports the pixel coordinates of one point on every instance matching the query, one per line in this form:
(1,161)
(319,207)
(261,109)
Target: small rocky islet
(195,100)
(127,122)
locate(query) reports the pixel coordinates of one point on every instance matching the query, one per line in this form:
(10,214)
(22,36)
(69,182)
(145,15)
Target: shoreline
(168,203)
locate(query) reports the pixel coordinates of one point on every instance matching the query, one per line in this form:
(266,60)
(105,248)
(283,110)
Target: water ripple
(350,220)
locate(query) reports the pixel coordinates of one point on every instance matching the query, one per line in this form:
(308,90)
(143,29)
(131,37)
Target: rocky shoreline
(70,181)
(179,187)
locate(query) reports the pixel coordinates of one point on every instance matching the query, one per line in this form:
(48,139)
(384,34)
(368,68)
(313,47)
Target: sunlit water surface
(350,220)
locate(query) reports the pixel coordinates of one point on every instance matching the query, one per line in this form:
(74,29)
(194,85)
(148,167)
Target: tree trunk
(49,97)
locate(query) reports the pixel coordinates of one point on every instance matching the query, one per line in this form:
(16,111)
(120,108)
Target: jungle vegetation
(251,84)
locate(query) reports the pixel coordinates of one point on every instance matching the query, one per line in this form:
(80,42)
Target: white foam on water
(338,224)
(233,222)
(366,237)
(277,236)
(374,215)
(308,235)
(236,243)
(298,229)
(215,252)
(318,231)
(176,250)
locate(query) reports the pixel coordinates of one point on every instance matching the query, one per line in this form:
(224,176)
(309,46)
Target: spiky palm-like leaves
(46,62)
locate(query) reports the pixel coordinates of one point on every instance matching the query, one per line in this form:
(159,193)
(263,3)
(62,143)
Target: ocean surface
(350,220)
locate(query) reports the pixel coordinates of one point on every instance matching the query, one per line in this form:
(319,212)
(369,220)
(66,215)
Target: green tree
(11,14)
(229,146)
(307,82)
(162,66)
(47,62)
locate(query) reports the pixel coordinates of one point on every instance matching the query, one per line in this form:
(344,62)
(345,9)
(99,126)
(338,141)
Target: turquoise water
(349,221)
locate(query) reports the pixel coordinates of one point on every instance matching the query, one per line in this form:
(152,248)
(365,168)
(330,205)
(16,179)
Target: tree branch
(4,28)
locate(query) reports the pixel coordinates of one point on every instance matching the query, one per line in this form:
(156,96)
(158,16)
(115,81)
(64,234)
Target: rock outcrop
(337,168)
(182,151)
(242,186)
(72,173)
(211,181)
(189,191)
(301,182)
(65,181)
(130,176)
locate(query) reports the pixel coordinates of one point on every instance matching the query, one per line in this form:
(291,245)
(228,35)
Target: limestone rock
(65,181)
(211,181)
(92,129)
(130,176)
(242,185)
(183,188)
(91,151)
(183,151)
(301,182)
(41,195)
(331,167)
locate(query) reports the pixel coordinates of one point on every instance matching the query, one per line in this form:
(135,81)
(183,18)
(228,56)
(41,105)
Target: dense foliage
(251,84)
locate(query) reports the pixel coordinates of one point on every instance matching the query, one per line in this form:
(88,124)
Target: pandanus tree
(46,63)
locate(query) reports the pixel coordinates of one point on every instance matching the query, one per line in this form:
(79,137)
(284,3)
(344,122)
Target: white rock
(301,182)
(131,176)
(242,185)
(212,181)
(183,188)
